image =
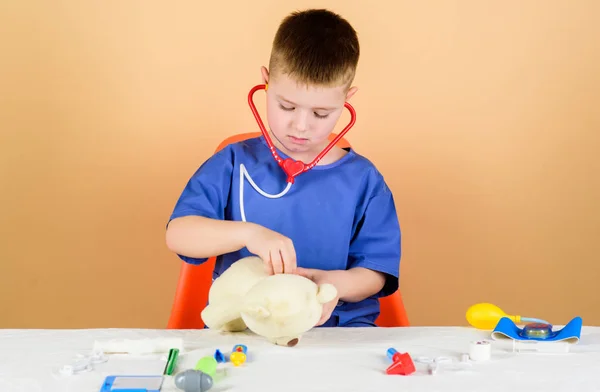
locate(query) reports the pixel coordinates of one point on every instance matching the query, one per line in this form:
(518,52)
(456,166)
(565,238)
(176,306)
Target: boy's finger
(268,265)
(288,265)
(322,320)
(306,272)
(285,267)
(290,260)
(277,262)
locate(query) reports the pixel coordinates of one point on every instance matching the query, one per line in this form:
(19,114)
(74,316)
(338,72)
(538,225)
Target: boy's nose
(301,122)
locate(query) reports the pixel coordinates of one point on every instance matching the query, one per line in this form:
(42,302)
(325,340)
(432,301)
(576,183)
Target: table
(326,359)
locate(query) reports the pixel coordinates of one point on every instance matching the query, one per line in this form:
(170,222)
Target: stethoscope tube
(292,167)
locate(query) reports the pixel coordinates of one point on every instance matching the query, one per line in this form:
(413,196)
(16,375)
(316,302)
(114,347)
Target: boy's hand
(276,250)
(320,277)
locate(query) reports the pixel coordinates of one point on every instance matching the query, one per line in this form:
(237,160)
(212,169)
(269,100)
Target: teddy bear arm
(326,292)
(218,316)
(237,325)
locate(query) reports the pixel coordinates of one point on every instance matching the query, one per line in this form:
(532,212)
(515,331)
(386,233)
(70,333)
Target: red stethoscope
(290,166)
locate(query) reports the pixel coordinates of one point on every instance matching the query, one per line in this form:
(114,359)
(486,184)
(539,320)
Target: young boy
(337,223)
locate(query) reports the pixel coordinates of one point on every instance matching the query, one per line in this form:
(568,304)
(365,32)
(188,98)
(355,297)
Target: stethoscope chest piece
(292,168)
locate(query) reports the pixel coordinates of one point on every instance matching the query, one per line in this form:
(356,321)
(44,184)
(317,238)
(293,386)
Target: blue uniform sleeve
(377,242)
(207,192)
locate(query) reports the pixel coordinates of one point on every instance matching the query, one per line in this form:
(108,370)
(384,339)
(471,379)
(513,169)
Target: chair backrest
(191,295)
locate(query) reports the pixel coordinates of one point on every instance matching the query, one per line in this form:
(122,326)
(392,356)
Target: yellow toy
(486,316)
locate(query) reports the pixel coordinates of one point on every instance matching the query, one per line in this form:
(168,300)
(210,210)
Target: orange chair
(194,281)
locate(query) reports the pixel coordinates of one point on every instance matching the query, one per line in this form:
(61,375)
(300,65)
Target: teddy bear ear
(326,293)
(257,312)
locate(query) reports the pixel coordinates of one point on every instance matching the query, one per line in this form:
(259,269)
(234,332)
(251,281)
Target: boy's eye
(289,109)
(285,108)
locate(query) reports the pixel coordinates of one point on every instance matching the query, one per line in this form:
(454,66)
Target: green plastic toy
(207,365)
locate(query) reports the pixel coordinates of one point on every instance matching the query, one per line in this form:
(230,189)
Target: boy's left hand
(320,277)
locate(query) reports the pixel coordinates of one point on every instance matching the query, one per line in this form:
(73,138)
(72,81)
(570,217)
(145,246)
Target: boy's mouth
(298,140)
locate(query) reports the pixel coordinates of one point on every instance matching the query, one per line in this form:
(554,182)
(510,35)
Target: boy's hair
(315,47)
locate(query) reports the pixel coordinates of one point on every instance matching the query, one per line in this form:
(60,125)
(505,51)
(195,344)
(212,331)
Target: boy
(337,223)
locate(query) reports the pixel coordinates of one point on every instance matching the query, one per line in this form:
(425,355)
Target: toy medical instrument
(480,350)
(507,329)
(432,368)
(219,357)
(132,383)
(537,330)
(291,167)
(171,361)
(79,366)
(138,346)
(238,355)
(486,316)
(393,354)
(534,346)
(193,381)
(98,356)
(207,365)
(402,363)
(429,360)
(83,363)
(446,363)
(240,347)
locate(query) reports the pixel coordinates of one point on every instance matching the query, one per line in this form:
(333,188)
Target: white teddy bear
(278,307)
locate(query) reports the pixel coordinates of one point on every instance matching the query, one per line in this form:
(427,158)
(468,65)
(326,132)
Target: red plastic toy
(403,365)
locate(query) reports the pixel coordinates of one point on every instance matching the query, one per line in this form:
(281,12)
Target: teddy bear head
(284,306)
(278,307)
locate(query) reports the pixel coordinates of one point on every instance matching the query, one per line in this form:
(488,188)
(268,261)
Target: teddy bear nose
(292,342)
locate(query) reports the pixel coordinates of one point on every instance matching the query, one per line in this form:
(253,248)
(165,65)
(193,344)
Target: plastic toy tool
(238,354)
(219,357)
(402,363)
(207,365)
(507,329)
(486,316)
(193,381)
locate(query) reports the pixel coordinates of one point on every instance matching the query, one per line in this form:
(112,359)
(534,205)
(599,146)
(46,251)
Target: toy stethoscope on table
(291,167)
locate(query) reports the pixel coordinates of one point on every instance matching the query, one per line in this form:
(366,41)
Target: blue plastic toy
(506,328)
(219,357)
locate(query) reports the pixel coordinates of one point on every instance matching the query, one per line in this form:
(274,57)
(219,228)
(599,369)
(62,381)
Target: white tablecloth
(325,360)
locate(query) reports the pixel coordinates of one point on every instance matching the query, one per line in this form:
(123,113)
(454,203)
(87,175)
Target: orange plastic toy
(191,294)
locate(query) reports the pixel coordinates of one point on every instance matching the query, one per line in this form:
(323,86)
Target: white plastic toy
(278,307)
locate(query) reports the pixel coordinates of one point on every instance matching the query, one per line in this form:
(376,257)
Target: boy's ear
(265,74)
(351,92)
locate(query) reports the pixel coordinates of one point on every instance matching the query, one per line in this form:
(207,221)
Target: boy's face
(301,117)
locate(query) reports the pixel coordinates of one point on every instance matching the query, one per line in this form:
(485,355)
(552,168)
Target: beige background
(483,116)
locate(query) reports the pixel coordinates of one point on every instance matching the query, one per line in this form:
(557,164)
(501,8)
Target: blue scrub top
(339,216)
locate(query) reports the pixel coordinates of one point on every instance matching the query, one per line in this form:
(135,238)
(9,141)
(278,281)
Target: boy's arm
(197,229)
(352,285)
(360,283)
(375,250)
(200,237)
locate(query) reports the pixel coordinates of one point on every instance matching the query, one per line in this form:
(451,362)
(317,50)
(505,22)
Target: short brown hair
(317,47)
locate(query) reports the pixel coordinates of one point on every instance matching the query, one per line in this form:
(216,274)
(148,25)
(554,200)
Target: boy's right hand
(276,250)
